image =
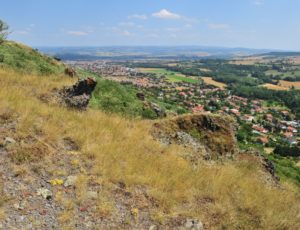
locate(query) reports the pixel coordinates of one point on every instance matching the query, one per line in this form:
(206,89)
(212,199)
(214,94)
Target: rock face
(78,95)
(140,96)
(156,108)
(70,72)
(267,165)
(211,135)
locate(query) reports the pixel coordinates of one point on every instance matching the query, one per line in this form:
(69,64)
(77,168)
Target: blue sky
(230,23)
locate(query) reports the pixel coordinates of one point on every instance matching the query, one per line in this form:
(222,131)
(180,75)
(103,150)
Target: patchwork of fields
(170,75)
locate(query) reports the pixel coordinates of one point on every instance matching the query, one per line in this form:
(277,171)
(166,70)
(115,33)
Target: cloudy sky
(230,23)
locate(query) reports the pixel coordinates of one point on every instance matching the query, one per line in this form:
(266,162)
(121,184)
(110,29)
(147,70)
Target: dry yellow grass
(204,69)
(172,64)
(148,69)
(231,195)
(269,150)
(289,84)
(295,60)
(210,81)
(274,87)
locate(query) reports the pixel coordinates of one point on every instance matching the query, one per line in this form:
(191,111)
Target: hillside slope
(23,58)
(66,169)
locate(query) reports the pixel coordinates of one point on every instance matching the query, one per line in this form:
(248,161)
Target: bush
(286,151)
(3,31)
(149,114)
(113,97)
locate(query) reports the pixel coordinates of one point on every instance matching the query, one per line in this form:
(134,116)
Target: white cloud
(258,2)
(215,26)
(153,35)
(138,16)
(173,29)
(25,31)
(125,33)
(21,32)
(188,25)
(127,24)
(120,31)
(165,14)
(77,33)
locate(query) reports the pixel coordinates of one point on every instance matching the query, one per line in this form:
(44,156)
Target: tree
(3,30)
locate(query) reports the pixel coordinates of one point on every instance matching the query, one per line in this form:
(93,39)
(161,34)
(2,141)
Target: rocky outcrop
(70,72)
(140,96)
(267,165)
(207,134)
(78,95)
(160,112)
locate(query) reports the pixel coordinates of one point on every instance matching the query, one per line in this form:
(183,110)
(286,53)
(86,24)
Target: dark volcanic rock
(78,95)
(215,133)
(140,96)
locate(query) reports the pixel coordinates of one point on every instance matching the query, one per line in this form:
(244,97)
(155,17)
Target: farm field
(181,78)
(289,84)
(170,75)
(204,69)
(283,85)
(248,61)
(210,81)
(274,87)
(291,73)
(151,70)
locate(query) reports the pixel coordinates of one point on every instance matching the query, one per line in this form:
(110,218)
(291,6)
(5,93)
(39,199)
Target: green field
(178,78)
(170,75)
(290,73)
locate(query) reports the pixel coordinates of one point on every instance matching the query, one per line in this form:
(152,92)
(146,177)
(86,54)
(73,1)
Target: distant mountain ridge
(148,52)
(282,54)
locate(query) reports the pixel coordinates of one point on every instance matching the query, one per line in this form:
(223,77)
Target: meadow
(171,76)
(210,81)
(114,150)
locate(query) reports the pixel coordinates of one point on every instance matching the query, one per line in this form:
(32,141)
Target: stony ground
(41,194)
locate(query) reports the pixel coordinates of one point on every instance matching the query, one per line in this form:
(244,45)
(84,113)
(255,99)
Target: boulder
(9,141)
(79,95)
(140,96)
(70,72)
(193,224)
(91,195)
(70,181)
(156,108)
(45,193)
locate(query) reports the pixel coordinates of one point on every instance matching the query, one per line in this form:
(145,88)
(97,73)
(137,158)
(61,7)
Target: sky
(268,24)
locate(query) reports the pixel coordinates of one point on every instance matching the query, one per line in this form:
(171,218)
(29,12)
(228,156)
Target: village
(270,125)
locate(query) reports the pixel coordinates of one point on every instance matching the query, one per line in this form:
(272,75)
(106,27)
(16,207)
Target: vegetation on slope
(113,97)
(22,58)
(113,150)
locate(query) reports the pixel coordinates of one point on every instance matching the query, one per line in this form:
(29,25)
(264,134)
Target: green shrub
(149,114)
(111,96)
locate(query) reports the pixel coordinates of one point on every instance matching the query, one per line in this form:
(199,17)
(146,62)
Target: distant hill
(147,52)
(25,59)
(281,54)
